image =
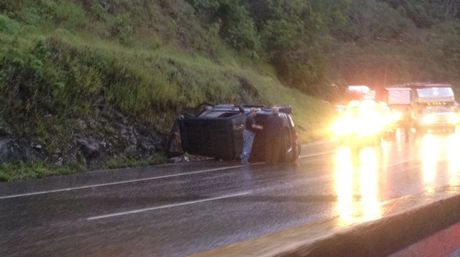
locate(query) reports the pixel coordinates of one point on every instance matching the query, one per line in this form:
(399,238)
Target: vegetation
(64,60)
(313,44)
(389,42)
(116,163)
(20,171)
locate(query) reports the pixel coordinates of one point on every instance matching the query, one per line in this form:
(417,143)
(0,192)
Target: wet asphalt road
(178,210)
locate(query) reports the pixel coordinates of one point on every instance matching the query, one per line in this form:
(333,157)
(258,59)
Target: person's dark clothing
(406,124)
(273,143)
(250,121)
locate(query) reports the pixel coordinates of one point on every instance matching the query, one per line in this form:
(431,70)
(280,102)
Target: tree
(235,25)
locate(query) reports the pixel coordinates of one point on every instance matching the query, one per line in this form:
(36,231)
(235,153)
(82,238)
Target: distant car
(217,131)
(363,123)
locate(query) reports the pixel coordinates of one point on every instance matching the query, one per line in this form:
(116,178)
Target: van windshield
(435,92)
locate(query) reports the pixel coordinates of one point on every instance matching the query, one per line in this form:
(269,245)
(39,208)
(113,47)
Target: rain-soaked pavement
(178,210)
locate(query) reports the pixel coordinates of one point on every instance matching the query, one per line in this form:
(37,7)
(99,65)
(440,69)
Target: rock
(147,145)
(118,117)
(104,144)
(59,161)
(92,124)
(11,150)
(179,159)
(131,151)
(89,147)
(81,124)
(97,138)
(38,147)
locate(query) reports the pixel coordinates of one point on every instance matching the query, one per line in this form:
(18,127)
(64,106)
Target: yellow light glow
(453,148)
(343,126)
(396,116)
(430,153)
(360,173)
(344,185)
(453,119)
(362,119)
(428,119)
(369,185)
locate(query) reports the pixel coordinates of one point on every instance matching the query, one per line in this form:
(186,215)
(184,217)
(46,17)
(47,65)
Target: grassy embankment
(51,77)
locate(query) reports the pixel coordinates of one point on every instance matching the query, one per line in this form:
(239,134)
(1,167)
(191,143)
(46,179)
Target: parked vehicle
(217,131)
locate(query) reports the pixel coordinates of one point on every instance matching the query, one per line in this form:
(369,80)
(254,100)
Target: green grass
(312,115)
(19,171)
(58,60)
(136,80)
(68,71)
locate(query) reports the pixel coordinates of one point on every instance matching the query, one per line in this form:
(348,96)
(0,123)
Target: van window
(228,114)
(211,114)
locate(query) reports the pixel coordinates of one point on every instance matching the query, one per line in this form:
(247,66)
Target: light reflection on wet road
(361,175)
(438,155)
(357,185)
(181,210)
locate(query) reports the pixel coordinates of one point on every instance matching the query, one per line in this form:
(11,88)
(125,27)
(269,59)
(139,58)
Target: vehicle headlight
(428,119)
(453,119)
(343,127)
(370,128)
(396,116)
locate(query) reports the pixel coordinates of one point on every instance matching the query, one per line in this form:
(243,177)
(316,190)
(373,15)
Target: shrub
(8,26)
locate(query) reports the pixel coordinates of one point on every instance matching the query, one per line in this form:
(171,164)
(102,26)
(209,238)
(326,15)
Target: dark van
(217,131)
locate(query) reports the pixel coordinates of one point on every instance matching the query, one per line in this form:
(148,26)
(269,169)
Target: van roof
(228,110)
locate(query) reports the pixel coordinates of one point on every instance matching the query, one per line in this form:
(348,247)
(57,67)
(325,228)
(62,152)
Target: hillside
(389,42)
(96,83)
(93,84)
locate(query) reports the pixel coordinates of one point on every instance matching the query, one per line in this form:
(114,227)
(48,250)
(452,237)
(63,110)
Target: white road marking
(400,162)
(121,182)
(154,178)
(316,154)
(105,216)
(165,206)
(322,142)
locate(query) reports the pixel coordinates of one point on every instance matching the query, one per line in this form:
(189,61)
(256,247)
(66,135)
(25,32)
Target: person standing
(406,123)
(249,133)
(273,131)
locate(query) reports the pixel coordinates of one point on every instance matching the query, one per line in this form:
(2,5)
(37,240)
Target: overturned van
(217,131)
